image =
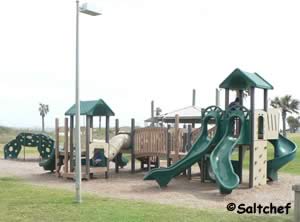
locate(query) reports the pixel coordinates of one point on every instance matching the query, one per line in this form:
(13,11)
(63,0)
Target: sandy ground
(180,191)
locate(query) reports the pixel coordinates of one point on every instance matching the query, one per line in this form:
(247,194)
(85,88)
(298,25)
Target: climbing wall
(260,163)
(260,147)
(44,144)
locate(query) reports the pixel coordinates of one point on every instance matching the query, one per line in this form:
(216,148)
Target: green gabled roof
(239,79)
(91,108)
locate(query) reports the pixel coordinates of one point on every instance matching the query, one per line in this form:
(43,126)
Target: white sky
(140,50)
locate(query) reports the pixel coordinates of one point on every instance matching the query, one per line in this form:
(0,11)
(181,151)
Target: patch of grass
(24,202)
(29,151)
(292,167)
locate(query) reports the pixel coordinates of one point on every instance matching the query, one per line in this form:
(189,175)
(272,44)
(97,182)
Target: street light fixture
(90,10)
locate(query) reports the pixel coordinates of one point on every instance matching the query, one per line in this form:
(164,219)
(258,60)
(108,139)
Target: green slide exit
(199,148)
(285,151)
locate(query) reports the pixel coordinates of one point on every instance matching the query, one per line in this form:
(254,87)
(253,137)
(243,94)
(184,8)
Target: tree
(294,123)
(43,109)
(287,105)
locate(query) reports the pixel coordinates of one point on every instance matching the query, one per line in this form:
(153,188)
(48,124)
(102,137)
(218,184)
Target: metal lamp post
(90,10)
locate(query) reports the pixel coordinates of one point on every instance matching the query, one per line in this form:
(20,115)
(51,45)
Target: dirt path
(180,191)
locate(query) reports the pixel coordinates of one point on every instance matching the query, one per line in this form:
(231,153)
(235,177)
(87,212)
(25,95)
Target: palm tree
(287,105)
(293,123)
(43,109)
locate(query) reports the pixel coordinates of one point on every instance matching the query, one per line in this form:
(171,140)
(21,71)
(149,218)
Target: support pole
(78,145)
(296,188)
(117,129)
(117,157)
(66,146)
(266,100)
(56,146)
(217,97)
(241,148)
(194,97)
(226,98)
(189,145)
(87,147)
(176,148)
(152,113)
(71,143)
(184,146)
(168,146)
(252,110)
(132,146)
(107,141)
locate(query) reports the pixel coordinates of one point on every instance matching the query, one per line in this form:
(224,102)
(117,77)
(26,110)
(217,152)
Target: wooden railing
(150,141)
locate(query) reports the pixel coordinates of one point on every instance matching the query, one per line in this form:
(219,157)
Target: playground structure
(236,128)
(222,132)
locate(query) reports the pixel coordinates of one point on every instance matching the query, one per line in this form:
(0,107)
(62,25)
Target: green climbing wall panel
(44,144)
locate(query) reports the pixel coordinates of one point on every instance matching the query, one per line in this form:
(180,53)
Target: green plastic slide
(200,147)
(220,158)
(285,151)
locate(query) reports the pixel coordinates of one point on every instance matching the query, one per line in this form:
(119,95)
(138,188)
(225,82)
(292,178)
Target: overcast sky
(141,50)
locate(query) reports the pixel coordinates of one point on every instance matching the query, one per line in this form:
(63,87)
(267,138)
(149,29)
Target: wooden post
(168,147)
(176,148)
(100,123)
(201,163)
(132,146)
(117,157)
(241,148)
(296,188)
(66,146)
(266,100)
(217,97)
(157,162)
(91,128)
(117,129)
(189,145)
(184,146)
(226,98)
(71,143)
(194,97)
(149,163)
(252,131)
(87,147)
(152,113)
(107,141)
(56,146)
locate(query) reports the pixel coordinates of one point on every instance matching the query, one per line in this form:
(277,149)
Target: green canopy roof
(239,79)
(91,108)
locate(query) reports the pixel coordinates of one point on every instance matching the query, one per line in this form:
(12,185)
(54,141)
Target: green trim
(241,80)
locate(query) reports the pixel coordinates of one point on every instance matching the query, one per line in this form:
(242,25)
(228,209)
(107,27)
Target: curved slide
(203,144)
(285,151)
(220,158)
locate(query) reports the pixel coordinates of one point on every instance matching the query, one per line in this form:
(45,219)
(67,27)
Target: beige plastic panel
(273,123)
(257,115)
(260,163)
